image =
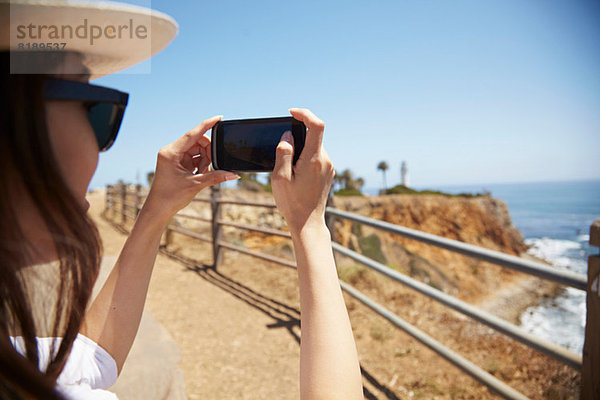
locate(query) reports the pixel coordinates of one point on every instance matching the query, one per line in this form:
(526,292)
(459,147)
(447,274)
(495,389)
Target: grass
(356,229)
(238,242)
(433,386)
(351,274)
(401,189)
(370,246)
(379,332)
(348,192)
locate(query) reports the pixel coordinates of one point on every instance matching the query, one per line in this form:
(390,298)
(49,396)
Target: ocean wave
(561,253)
(562,319)
(583,238)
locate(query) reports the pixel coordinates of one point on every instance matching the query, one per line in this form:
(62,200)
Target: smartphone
(248,145)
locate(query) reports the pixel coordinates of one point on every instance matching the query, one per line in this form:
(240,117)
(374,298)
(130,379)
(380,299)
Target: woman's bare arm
(329,367)
(113,318)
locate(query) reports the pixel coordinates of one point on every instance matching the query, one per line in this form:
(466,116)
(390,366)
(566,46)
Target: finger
(202,145)
(201,155)
(202,165)
(195,136)
(214,178)
(187,162)
(206,149)
(314,130)
(284,155)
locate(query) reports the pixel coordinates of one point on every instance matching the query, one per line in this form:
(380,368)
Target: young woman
(53,344)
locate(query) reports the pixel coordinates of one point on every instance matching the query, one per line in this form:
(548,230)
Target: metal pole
(216,227)
(329,219)
(578,281)
(479,374)
(107,198)
(560,353)
(138,198)
(123,199)
(590,372)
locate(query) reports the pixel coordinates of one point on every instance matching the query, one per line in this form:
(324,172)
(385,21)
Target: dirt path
(229,348)
(238,335)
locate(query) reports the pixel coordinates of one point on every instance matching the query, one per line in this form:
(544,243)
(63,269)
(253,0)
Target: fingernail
(231,177)
(287,136)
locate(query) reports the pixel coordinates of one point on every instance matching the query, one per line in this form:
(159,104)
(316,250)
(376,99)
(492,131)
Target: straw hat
(106,36)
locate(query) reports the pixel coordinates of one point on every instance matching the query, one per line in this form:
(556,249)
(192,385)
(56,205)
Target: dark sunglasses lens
(105,119)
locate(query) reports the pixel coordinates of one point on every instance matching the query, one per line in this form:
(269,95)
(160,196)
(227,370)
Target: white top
(88,370)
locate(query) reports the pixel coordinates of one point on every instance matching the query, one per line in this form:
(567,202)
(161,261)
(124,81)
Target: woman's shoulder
(88,371)
(89,364)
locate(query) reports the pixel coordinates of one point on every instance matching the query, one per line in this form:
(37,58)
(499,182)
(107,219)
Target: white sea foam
(558,252)
(560,320)
(583,238)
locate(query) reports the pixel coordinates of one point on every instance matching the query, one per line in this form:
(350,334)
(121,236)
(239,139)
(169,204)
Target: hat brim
(109,36)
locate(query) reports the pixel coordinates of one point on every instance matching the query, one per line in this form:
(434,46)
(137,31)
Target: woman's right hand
(329,367)
(301,190)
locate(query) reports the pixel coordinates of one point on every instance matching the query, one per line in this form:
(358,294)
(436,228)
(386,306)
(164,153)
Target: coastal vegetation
(383,167)
(401,189)
(347,184)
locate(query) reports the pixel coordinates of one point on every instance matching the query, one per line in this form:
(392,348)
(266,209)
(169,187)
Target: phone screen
(249,145)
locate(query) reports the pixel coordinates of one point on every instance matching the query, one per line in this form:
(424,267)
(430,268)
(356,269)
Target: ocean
(554,218)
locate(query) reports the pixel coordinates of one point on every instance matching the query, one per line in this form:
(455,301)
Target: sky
(466,92)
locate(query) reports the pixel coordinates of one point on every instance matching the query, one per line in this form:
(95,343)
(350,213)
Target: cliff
(482,221)
(400,363)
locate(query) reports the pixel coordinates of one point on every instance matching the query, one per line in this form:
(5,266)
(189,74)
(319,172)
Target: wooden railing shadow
(118,226)
(284,316)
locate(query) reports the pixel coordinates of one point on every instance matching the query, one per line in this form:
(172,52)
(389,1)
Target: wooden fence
(118,199)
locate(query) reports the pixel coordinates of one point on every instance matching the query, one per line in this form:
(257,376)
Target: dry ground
(237,331)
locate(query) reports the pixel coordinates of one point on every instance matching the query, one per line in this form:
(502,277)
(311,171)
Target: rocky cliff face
(397,360)
(482,221)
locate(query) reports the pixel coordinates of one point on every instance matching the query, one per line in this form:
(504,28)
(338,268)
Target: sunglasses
(105,106)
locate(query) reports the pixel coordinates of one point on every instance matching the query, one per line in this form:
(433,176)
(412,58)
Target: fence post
(217,231)
(590,373)
(168,235)
(108,198)
(329,219)
(123,200)
(138,197)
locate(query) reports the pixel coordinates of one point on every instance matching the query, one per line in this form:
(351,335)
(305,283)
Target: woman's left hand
(182,171)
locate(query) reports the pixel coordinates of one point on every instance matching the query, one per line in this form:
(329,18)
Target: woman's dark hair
(28,166)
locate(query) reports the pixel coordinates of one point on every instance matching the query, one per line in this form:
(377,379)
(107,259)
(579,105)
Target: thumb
(284,155)
(214,178)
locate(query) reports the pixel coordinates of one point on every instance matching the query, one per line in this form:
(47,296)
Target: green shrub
(356,229)
(370,246)
(401,189)
(351,274)
(348,192)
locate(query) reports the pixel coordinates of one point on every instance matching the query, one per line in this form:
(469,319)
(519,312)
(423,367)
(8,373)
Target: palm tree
(150,178)
(383,166)
(360,182)
(347,177)
(338,180)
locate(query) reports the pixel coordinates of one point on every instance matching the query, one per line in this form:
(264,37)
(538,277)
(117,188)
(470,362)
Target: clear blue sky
(467,92)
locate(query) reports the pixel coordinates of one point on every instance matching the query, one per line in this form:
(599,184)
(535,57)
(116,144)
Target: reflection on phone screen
(252,146)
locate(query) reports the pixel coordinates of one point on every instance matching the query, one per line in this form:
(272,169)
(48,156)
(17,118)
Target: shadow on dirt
(284,316)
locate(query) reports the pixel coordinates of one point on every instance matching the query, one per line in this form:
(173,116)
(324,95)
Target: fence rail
(568,278)
(116,195)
